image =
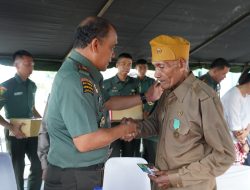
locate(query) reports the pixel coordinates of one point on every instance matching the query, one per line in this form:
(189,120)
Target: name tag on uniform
(18,93)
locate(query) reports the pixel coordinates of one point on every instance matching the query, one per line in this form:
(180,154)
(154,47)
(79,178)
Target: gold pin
(158,50)
(180,113)
(176,133)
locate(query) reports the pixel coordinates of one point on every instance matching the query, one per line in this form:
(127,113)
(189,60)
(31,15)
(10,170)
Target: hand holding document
(29,127)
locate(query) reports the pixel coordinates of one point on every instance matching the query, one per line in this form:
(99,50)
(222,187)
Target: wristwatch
(143,98)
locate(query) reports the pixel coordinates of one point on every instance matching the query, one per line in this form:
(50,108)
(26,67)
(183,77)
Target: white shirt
(236,110)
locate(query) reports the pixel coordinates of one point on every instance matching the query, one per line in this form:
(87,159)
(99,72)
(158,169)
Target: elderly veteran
(195,145)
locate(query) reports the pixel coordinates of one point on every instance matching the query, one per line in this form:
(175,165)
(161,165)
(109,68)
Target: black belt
(87,168)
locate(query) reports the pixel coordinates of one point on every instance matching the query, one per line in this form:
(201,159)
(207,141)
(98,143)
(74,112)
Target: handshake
(131,129)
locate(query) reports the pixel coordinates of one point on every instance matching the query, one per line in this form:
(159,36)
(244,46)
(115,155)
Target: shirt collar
(211,79)
(181,91)
(19,79)
(94,72)
(117,80)
(144,79)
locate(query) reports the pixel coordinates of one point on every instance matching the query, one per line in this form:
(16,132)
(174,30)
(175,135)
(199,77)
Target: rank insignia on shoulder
(87,86)
(82,68)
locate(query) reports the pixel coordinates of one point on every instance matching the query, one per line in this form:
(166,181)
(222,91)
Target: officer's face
(170,73)
(220,74)
(124,65)
(24,66)
(106,50)
(141,69)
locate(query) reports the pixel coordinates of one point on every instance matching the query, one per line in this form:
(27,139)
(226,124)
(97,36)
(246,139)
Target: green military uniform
(18,99)
(211,82)
(115,87)
(150,143)
(144,85)
(75,108)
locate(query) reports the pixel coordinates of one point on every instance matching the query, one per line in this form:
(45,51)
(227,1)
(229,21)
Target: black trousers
(17,149)
(126,149)
(85,178)
(149,150)
(247,161)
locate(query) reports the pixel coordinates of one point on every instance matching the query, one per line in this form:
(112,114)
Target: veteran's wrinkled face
(170,73)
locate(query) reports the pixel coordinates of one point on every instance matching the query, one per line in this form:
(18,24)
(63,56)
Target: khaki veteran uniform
(115,87)
(76,107)
(18,99)
(195,145)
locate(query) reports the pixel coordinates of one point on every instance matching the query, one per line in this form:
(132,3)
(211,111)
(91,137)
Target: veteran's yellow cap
(169,48)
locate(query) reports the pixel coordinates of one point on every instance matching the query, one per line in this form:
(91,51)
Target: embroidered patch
(2,90)
(87,86)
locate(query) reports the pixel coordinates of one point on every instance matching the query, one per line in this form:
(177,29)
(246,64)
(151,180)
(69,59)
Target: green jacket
(76,107)
(210,82)
(144,85)
(18,97)
(115,87)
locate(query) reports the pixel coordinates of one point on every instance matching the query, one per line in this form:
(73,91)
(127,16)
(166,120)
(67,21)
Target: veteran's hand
(154,92)
(161,179)
(16,130)
(131,129)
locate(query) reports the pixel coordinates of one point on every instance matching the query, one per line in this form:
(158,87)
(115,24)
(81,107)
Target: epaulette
(202,90)
(82,69)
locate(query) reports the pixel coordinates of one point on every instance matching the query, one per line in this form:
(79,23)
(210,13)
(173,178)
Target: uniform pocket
(183,127)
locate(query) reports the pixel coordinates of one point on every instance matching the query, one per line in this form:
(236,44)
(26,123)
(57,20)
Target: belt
(87,168)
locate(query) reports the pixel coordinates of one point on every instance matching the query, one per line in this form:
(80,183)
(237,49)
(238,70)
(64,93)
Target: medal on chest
(176,126)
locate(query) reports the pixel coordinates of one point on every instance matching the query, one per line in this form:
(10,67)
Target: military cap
(169,48)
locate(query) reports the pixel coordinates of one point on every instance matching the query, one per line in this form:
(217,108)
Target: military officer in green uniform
(76,122)
(150,143)
(217,72)
(123,85)
(17,96)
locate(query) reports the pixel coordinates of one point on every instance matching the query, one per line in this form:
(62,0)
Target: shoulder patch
(2,90)
(87,86)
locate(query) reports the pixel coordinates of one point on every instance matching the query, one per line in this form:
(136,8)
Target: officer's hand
(16,130)
(131,130)
(154,92)
(44,174)
(161,179)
